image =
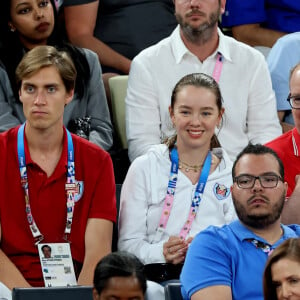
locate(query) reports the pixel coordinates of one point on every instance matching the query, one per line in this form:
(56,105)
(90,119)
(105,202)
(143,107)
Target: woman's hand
(175,249)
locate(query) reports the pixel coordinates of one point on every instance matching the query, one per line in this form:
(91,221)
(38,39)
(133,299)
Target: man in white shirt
(197,45)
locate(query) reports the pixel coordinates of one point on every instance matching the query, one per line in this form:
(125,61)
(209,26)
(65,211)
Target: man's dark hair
(46,246)
(118,264)
(258,149)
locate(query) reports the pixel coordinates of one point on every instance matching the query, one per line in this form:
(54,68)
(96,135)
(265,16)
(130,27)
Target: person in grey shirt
(88,114)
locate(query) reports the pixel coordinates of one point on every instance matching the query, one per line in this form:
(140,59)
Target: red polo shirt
(287,146)
(47,196)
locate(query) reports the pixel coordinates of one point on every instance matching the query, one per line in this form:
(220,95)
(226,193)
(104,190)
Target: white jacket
(142,199)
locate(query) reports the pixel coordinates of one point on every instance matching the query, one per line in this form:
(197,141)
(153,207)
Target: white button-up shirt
(249,101)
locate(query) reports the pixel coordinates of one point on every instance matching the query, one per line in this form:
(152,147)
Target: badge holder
(57,265)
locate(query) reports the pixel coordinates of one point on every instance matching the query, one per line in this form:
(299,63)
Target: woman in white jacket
(178,188)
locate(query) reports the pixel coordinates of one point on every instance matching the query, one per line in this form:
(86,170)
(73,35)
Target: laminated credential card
(57,265)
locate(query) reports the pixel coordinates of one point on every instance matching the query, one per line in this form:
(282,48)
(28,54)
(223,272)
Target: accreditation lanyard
(171,192)
(71,186)
(218,68)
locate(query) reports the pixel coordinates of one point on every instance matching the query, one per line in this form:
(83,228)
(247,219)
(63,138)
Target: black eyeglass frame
(278,177)
(290,100)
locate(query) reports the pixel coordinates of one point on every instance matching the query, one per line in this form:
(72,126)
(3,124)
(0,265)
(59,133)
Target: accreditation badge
(57,265)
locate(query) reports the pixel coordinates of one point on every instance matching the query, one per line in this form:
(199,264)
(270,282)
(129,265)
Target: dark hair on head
(197,80)
(46,246)
(12,50)
(288,249)
(118,264)
(258,149)
(10,38)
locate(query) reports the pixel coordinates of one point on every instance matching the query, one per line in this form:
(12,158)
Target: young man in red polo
(55,188)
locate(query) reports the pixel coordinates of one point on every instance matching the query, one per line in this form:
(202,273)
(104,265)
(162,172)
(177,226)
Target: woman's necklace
(187,167)
(196,168)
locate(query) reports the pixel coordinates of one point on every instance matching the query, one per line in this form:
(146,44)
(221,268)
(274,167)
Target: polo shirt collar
(180,50)
(62,163)
(243,233)
(290,231)
(177,45)
(296,141)
(223,47)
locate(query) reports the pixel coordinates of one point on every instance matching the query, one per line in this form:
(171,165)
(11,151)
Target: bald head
(295,95)
(294,72)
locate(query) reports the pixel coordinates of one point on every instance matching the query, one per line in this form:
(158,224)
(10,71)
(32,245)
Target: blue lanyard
(71,186)
(171,192)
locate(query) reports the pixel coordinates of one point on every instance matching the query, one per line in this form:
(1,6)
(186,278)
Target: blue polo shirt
(223,256)
(281,15)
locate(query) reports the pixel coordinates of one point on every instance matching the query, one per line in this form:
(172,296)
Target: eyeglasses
(294,101)
(247,181)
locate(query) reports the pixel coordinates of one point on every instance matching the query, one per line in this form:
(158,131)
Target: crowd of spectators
(211,183)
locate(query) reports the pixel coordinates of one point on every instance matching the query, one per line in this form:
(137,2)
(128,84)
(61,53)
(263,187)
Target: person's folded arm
(80,21)
(207,270)
(255,35)
(98,239)
(143,123)
(97,107)
(9,273)
(217,292)
(102,214)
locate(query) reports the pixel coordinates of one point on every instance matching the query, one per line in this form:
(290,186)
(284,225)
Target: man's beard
(202,33)
(262,220)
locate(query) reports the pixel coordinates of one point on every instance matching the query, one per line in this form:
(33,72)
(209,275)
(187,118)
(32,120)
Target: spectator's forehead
(257,164)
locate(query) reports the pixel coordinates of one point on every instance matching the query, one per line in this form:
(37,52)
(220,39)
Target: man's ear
(286,187)
(20,95)
(69,96)
(223,3)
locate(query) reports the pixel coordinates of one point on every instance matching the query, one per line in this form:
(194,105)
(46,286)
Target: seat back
(53,293)
(160,272)
(173,291)
(118,90)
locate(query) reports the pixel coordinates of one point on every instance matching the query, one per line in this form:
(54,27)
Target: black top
(129,26)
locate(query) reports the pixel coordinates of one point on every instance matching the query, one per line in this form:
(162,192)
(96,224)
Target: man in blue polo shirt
(261,22)
(227,263)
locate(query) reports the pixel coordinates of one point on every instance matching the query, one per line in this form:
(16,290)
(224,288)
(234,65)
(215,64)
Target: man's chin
(258,217)
(258,220)
(196,28)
